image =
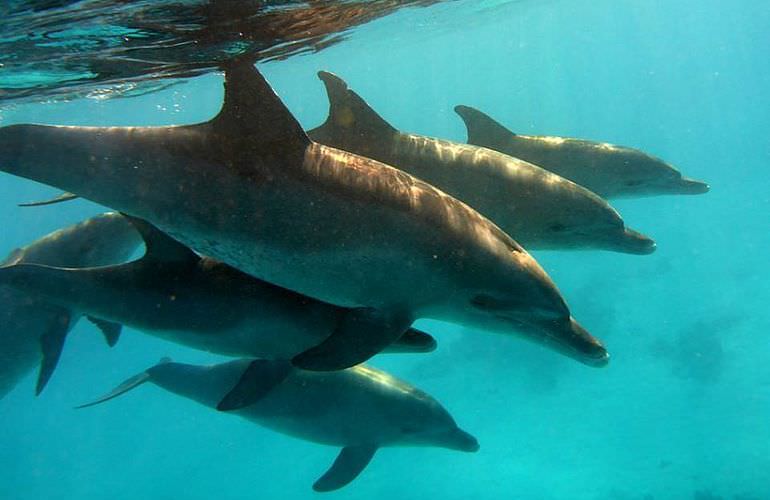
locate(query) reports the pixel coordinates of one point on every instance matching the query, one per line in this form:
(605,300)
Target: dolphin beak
(692,186)
(458,439)
(590,350)
(636,243)
(569,338)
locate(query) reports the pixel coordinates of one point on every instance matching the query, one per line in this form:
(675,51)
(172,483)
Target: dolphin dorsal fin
(161,247)
(482,128)
(253,111)
(15,257)
(348,111)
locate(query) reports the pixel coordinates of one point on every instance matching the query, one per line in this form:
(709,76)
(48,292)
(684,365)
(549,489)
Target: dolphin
(173,293)
(360,409)
(539,209)
(606,169)
(33,327)
(250,189)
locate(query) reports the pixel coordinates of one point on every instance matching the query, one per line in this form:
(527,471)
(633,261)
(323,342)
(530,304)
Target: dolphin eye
(488,303)
(557,228)
(633,183)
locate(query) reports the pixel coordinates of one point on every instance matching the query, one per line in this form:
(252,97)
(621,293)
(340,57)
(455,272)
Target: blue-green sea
(683,409)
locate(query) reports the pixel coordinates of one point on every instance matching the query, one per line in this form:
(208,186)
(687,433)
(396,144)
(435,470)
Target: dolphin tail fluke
(57,199)
(256,382)
(51,345)
(253,111)
(482,128)
(351,461)
(362,333)
(347,112)
(125,386)
(413,341)
(110,330)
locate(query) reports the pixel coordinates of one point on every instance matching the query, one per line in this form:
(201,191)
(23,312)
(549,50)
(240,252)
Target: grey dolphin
(606,169)
(538,208)
(359,409)
(177,295)
(250,189)
(33,327)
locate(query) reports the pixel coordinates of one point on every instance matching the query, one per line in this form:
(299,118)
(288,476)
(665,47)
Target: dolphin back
(101,240)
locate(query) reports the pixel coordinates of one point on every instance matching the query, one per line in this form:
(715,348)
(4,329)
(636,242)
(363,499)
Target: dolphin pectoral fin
(58,199)
(482,128)
(412,341)
(351,461)
(362,333)
(110,330)
(256,382)
(51,345)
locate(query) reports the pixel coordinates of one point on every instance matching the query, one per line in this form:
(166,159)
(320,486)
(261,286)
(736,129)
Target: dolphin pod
(177,295)
(606,169)
(34,328)
(359,409)
(537,208)
(249,188)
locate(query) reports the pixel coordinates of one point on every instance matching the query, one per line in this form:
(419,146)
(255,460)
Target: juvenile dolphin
(174,294)
(606,169)
(359,409)
(537,208)
(33,328)
(250,189)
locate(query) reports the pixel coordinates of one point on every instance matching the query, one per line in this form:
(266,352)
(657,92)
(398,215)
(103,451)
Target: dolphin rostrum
(33,327)
(250,189)
(537,208)
(359,409)
(606,169)
(173,293)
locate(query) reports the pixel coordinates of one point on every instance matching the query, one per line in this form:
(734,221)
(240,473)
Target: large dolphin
(606,169)
(174,294)
(250,189)
(34,328)
(359,409)
(538,208)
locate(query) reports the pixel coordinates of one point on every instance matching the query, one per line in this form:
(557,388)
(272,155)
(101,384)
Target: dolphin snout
(458,439)
(692,186)
(636,243)
(592,351)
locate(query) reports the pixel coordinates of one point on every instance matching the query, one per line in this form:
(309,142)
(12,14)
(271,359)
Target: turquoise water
(683,408)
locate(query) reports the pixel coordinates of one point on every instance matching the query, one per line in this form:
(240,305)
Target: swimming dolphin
(538,209)
(250,189)
(177,295)
(608,170)
(33,327)
(360,409)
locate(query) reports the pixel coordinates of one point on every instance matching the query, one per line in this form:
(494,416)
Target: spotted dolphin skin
(250,189)
(538,209)
(174,294)
(360,409)
(606,169)
(34,328)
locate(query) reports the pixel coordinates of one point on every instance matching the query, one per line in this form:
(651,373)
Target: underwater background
(682,410)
